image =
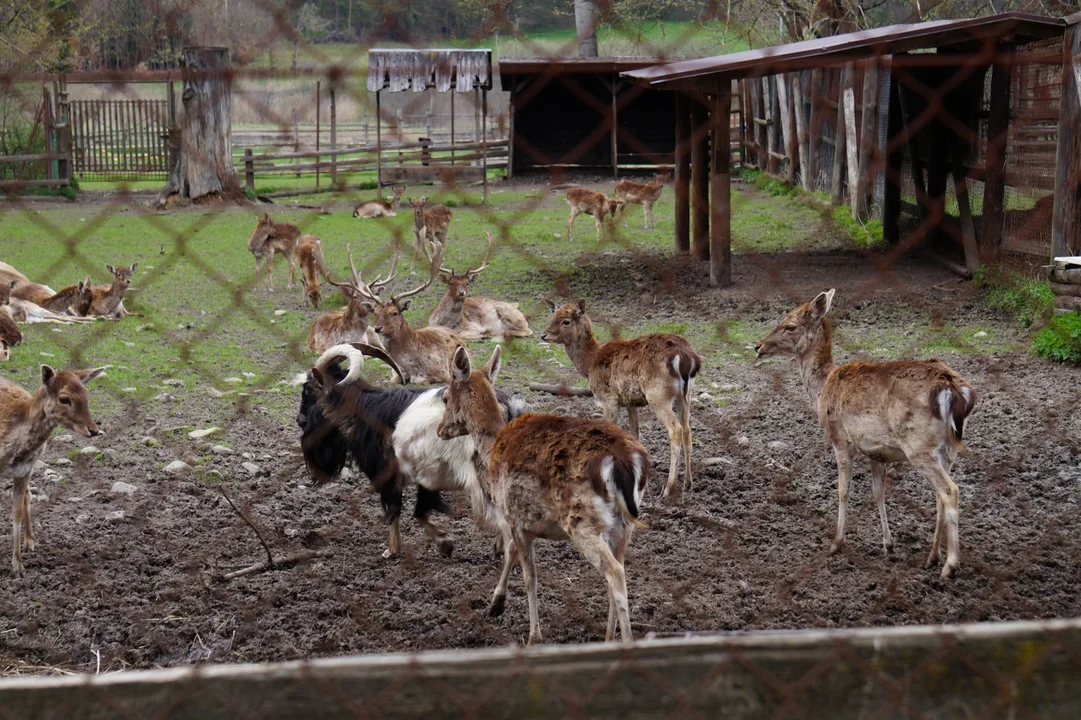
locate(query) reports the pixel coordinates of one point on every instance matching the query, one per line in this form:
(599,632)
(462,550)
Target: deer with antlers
(476,318)
(268,239)
(309,255)
(908,410)
(590,202)
(644,194)
(380,208)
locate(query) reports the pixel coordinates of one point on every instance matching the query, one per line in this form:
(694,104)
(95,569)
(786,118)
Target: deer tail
(624,476)
(953,402)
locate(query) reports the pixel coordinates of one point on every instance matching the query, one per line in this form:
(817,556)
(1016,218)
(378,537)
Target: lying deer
(41,295)
(107,300)
(644,194)
(10,334)
(476,318)
(552,477)
(654,370)
(910,410)
(26,422)
(430,223)
(590,202)
(309,255)
(380,208)
(270,238)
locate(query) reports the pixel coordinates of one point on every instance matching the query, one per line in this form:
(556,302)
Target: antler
(357,284)
(437,255)
(473,273)
(379,284)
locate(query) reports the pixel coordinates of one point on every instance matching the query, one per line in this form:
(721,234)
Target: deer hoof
(446,547)
(932,559)
(29,544)
(535,638)
(836,547)
(496,607)
(948,571)
(387,554)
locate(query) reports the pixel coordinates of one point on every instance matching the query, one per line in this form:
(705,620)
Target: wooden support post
(720,239)
(938,170)
(840,137)
(761,98)
(453,92)
(994,184)
(334,135)
(814,140)
(699,179)
(318,101)
(50,127)
(868,144)
(378,145)
(1066,217)
(683,175)
(801,129)
(296,140)
(788,128)
(895,158)
(773,135)
(968,229)
(512,109)
(249,171)
(484,139)
(743,105)
(848,93)
(915,159)
(615,149)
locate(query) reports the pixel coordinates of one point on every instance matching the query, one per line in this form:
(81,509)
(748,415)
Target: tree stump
(202,164)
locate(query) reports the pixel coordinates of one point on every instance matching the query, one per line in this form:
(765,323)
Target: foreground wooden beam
(720,192)
(699,179)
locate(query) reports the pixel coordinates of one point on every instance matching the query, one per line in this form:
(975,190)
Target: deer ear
(580,308)
(88,375)
(444,277)
(12,284)
(134,265)
(460,367)
(405,305)
(266,217)
(494,364)
(111,269)
(821,304)
(47,375)
(550,305)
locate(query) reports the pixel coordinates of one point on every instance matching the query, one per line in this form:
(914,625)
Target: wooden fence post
(814,133)
(891,200)
(852,145)
(865,186)
(1065,221)
(801,130)
(318,102)
(334,135)
(249,170)
(840,150)
(773,135)
(761,100)
(683,175)
(787,128)
(699,179)
(720,250)
(998,125)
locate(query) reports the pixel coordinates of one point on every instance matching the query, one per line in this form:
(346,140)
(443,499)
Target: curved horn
(355,357)
(380,354)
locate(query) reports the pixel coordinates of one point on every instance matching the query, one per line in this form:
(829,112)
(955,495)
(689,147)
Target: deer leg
(947,496)
(684,401)
(19,488)
(599,220)
(596,551)
(524,547)
(570,224)
(258,272)
(647,215)
(936,541)
(878,487)
(499,597)
(632,419)
(662,408)
(844,477)
(620,552)
(292,271)
(28,528)
(623,214)
(269,262)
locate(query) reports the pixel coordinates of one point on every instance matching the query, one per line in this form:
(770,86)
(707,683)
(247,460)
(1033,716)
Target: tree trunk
(203,166)
(585,22)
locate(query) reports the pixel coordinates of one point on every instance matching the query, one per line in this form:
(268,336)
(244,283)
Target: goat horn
(355,357)
(379,354)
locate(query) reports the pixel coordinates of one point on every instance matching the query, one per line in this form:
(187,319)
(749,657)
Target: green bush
(250,194)
(1061,339)
(1026,299)
(864,235)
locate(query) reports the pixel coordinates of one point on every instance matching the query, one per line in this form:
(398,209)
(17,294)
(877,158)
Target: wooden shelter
(916,105)
(579,112)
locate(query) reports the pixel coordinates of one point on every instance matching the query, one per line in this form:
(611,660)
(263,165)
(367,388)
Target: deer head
(418,209)
(569,325)
(795,334)
(66,400)
(122,275)
(364,297)
(662,178)
(397,195)
(458,285)
(389,320)
(470,401)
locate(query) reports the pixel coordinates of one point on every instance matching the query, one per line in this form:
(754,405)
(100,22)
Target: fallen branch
(278,563)
(564,390)
(244,516)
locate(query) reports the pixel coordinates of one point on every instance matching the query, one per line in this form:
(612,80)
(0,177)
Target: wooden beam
(848,94)
(773,136)
(699,179)
(720,239)
(814,140)
(801,130)
(615,115)
(868,141)
(998,125)
(1066,217)
(761,130)
(915,160)
(683,175)
(895,158)
(840,134)
(788,128)
(968,229)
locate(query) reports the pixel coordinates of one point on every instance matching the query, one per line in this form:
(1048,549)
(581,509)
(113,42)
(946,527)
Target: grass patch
(1060,340)
(1027,299)
(863,234)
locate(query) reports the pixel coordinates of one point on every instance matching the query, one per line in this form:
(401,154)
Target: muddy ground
(746,548)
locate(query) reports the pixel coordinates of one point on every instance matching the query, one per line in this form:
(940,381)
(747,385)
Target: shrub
(1060,340)
(1026,299)
(864,235)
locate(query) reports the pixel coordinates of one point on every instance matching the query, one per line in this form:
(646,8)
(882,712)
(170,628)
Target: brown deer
(41,295)
(269,238)
(553,477)
(26,422)
(590,202)
(380,208)
(644,194)
(476,318)
(422,353)
(10,334)
(654,370)
(107,300)
(309,254)
(909,410)
(430,223)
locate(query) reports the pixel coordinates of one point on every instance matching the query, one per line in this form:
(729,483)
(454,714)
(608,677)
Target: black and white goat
(390,435)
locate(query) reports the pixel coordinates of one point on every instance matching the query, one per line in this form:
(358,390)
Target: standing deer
(644,194)
(26,422)
(476,318)
(380,208)
(654,370)
(309,255)
(108,300)
(908,410)
(429,224)
(553,477)
(590,202)
(269,238)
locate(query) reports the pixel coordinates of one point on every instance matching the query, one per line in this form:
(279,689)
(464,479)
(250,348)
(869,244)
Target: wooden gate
(120,139)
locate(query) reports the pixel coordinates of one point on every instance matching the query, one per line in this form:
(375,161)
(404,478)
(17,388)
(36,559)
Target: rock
(729,388)
(81,518)
(232,380)
(246,456)
(191,458)
(150,442)
(109,453)
(140,328)
(279,313)
(981,334)
(64,439)
(743,440)
(39,465)
(214,393)
(778,445)
(710,462)
(39,496)
(248,374)
(251,467)
(130,389)
(177,467)
(61,462)
(200,434)
(89,451)
(174,382)
(115,516)
(222,450)
(163,397)
(347,473)
(122,488)
(705,396)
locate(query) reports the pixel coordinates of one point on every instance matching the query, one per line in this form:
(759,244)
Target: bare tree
(585,22)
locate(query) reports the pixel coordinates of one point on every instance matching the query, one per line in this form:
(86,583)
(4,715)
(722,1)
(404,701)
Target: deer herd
(442,425)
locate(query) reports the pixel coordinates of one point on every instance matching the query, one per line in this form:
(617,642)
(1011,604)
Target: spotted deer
(476,318)
(908,410)
(107,301)
(590,202)
(26,422)
(653,370)
(552,477)
(309,255)
(380,208)
(644,194)
(270,238)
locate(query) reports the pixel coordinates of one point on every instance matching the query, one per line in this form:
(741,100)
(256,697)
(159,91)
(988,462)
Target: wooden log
(1066,218)
(720,250)
(699,179)
(852,144)
(1062,275)
(840,134)
(788,128)
(1066,289)
(868,142)
(1067,302)
(682,220)
(773,136)
(801,130)
(998,125)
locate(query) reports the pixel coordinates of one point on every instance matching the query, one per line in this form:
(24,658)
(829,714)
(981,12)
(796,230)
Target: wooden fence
(120,138)
(1016,669)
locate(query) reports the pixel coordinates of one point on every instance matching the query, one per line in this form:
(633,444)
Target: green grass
(1029,300)
(1060,340)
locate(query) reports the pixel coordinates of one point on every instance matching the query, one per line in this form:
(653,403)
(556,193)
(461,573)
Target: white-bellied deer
(431,223)
(423,353)
(908,410)
(10,334)
(476,318)
(644,194)
(654,370)
(41,295)
(380,208)
(26,422)
(108,300)
(552,477)
(590,202)
(309,255)
(270,238)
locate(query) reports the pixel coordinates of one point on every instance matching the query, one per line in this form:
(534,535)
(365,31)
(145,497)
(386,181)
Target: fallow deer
(309,255)
(422,353)
(270,238)
(655,370)
(10,334)
(644,194)
(909,410)
(26,422)
(41,295)
(107,301)
(553,477)
(430,223)
(590,202)
(380,208)
(476,318)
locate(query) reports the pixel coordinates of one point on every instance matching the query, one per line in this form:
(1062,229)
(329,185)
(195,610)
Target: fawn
(269,238)
(590,202)
(380,208)
(644,194)
(107,300)
(309,255)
